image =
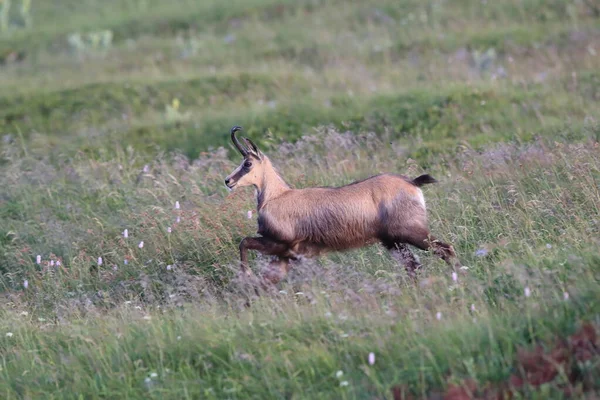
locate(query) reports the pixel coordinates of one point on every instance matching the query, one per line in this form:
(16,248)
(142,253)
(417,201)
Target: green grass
(102,140)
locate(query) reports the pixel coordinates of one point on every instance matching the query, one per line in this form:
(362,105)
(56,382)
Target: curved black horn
(236,142)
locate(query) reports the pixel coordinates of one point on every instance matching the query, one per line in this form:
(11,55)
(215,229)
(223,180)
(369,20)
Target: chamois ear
(253,148)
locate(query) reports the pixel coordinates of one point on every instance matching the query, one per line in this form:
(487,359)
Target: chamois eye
(247,165)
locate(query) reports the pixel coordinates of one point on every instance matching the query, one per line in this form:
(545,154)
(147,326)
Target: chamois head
(250,171)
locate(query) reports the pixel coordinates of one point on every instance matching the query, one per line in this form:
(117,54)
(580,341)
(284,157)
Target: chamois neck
(272,184)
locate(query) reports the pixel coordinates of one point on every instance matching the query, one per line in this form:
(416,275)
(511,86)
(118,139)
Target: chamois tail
(423,180)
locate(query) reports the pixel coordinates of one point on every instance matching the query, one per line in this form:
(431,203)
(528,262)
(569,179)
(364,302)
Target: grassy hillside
(111,113)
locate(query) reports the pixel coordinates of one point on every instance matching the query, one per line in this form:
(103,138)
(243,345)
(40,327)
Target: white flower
(99,260)
(38,259)
(566,295)
(438,315)
(178,219)
(169,267)
(148,380)
(455,277)
(169,230)
(249,214)
(177,205)
(9,334)
(527,291)
(25,283)
(548,246)
(146,169)
(473,307)
(125,233)
(371,358)
(339,374)
(58,263)
(125,262)
(153,375)
(141,245)
(52,263)
(344,383)
(178,337)
(147,317)
(115,268)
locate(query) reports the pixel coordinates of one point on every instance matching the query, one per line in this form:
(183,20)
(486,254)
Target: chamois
(294,223)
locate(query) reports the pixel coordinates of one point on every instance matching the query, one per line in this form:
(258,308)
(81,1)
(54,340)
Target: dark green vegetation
(499,100)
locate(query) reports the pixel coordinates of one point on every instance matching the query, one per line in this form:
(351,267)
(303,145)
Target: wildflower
(548,246)
(153,375)
(99,261)
(25,283)
(178,219)
(115,268)
(141,245)
(147,317)
(169,267)
(344,383)
(339,374)
(566,296)
(58,263)
(481,252)
(9,334)
(125,262)
(473,307)
(371,358)
(177,205)
(125,233)
(455,277)
(328,314)
(38,259)
(52,263)
(249,214)
(169,230)
(438,315)
(527,291)
(178,337)
(148,380)
(146,169)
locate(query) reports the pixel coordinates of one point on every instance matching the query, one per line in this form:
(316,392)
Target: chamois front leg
(263,245)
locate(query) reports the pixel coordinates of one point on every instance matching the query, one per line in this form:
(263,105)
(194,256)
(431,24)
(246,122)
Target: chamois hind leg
(422,239)
(263,245)
(402,253)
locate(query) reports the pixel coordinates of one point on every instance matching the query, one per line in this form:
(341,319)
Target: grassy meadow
(119,241)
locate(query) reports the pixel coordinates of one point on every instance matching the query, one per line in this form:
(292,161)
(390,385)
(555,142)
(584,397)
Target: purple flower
(371,358)
(481,252)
